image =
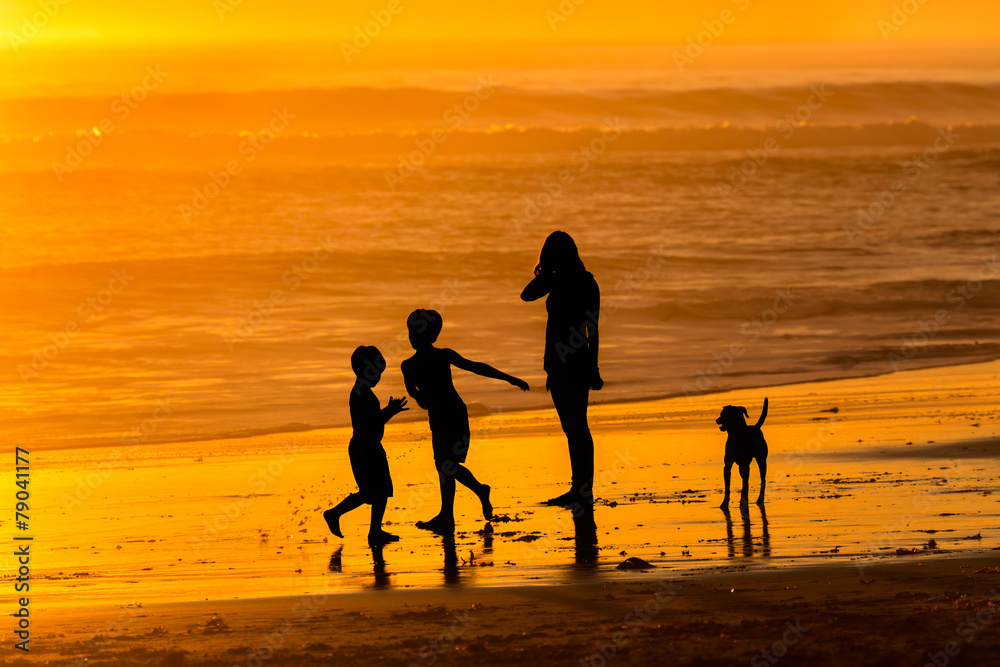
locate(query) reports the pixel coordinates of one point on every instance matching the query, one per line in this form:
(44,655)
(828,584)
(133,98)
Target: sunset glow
(396,331)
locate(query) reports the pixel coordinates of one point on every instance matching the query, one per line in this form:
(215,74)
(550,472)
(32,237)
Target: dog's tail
(763,414)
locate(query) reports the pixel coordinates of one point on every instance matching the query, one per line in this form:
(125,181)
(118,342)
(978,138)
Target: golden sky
(54,48)
(206,22)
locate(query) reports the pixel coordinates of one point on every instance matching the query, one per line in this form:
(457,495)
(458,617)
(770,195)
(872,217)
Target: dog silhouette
(744,444)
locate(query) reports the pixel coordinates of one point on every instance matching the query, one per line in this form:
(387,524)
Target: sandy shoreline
(892,613)
(861,470)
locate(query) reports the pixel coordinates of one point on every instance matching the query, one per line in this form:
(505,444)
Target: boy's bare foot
(382,537)
(439,524)
(484,498)
(333,521)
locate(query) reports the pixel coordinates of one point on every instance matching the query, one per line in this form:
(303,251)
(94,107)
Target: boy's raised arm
(393,408)
(485,370)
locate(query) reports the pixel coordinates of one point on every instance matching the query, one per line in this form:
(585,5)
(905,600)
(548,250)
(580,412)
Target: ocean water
(745,231)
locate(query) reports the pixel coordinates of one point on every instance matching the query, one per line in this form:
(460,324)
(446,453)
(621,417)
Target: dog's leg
(726,475)
(745,491)
(762,465)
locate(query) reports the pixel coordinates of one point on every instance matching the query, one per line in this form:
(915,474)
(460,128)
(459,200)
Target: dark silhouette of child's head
(368,364)
(424,327)
(559,255)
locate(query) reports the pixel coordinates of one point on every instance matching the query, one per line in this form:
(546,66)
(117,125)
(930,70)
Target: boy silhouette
(427,376)
(368,459)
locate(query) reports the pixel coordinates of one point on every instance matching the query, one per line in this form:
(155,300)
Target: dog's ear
(745,413)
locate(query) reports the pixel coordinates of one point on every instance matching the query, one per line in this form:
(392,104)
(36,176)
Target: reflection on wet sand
(747,537)
(382,577)
(378,567)
(336,560)
(585,536)
(452,576)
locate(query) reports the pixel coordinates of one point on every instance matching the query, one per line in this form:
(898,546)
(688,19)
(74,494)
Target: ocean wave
(583,145)
(359,109)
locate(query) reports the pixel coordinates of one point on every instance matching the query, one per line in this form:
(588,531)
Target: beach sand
(819,615)
(880,536)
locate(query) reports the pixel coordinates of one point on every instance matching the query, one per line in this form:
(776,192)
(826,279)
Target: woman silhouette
(571,344)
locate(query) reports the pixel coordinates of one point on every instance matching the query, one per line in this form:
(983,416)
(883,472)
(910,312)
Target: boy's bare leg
(465,476)
(332,515)
(444,522)
(375,534)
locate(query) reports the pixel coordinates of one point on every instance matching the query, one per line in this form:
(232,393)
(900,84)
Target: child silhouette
(368,459)
(427,376)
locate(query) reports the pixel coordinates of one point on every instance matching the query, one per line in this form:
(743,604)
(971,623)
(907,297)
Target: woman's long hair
(559,255)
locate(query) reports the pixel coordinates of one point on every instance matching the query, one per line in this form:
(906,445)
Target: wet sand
(881,507)
(817,615)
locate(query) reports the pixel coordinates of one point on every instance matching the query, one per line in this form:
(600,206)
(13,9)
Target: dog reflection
(747,536)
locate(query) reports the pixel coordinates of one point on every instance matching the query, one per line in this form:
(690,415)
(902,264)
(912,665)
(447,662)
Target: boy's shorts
(450,434)
(371,470)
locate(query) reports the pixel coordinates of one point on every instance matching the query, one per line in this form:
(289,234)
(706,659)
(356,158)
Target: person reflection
(378,565)
(336,564)
(584,534)
(487,534)
(378,560)
(451,574)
